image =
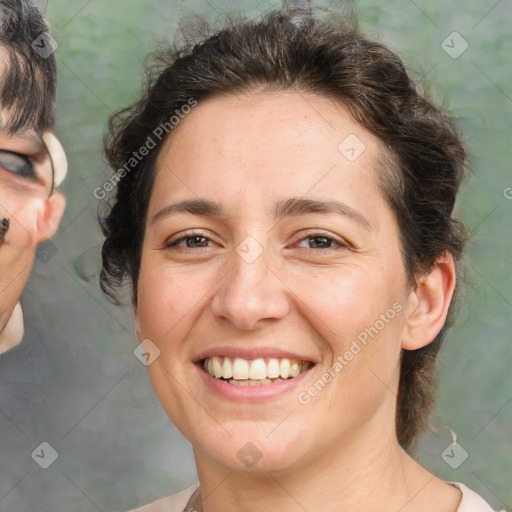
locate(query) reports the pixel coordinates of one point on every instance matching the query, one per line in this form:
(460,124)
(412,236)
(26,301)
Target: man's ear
(49,218)
(58,157)
(428,304)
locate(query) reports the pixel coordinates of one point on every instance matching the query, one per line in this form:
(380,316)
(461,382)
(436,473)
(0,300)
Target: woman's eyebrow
(302,206)
(194,206)
(283,208)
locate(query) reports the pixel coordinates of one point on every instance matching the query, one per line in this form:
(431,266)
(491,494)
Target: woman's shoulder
(471,501)
(175,503)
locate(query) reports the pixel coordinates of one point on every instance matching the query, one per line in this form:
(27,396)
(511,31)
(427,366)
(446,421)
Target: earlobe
(429,303)
(138,329)
(50,217)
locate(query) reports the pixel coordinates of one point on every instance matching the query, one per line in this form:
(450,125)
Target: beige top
(471,501)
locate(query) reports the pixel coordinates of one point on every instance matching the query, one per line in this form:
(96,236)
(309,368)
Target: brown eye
(17,164)
(320,242)
(190,241)
(196,241)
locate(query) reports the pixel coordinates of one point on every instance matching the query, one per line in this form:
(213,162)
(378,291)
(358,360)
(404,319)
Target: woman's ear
(428,304)
(138,330)
(49,218)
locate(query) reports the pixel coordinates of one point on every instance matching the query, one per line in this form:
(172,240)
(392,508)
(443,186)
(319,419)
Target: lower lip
(259,393)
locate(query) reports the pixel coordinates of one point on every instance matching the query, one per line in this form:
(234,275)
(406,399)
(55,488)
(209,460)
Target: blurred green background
(121,450)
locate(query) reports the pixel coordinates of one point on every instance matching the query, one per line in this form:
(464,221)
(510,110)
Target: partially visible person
(32,161)
(32,166)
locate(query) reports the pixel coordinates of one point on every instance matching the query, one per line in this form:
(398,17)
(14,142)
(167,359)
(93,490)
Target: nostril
(4,227)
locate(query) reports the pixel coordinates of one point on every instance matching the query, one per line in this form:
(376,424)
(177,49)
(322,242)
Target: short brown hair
(28,82)
(293,50)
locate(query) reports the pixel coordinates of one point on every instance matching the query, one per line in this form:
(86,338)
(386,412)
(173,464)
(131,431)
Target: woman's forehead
(285,139)
(266,150)
(249,112)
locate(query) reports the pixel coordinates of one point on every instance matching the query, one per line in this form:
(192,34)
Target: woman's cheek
(167,297)
(338,296)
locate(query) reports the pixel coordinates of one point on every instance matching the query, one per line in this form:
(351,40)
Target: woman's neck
(361,476)
(13,331)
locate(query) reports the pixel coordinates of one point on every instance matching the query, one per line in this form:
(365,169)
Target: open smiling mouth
(256,372)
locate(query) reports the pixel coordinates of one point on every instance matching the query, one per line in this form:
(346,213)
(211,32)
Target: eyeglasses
(25,163)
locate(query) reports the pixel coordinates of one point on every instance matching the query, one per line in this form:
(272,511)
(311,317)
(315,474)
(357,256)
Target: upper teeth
(257,369)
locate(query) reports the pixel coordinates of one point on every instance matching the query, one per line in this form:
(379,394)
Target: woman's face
(270,248)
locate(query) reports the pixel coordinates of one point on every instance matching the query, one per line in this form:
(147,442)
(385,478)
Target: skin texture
(246,153)
(34,216)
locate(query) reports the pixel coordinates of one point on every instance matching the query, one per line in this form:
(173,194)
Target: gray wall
(116,448)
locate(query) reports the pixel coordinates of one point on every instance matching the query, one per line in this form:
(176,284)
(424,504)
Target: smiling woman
(292,256)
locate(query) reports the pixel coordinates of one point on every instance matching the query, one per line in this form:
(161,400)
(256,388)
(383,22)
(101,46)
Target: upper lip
(250,353)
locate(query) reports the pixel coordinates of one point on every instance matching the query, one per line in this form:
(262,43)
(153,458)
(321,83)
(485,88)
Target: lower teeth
(250,382)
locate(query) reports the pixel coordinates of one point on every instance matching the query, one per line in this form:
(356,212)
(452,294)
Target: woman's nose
(251,292)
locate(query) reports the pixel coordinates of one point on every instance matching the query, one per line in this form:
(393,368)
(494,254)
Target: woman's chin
(251,459)
(251,453)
